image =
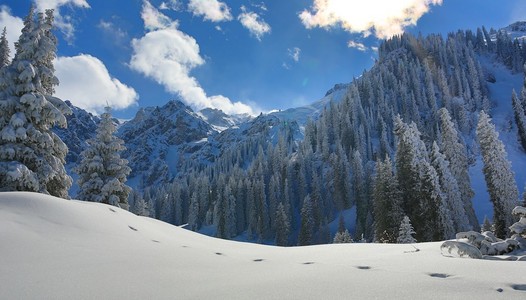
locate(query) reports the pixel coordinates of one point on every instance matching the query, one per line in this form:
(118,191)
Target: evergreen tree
(282,226)
(499,177)
(455,152)
(386,203)
(4,50)
(102,172)
(342,237)
(486,225)
(140,207)
(406,232)
(520,118)
(32,157)
(306,228)
(450,189)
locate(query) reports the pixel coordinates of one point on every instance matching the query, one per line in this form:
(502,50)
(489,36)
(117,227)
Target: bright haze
(237,56)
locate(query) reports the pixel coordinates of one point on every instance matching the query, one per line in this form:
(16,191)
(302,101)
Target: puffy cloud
(13,25)
(64,23)
(383,18)
(168,55)
(85,81)
(357,45)
(253,22)
(211,10)
(294,53)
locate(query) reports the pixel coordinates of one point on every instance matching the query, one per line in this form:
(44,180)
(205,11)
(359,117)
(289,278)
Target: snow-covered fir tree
(306,228)
(4,49)
(342,237)
(520,118)
(138,205)
(486,225)
(32,157)
(387,202)
(498,174)
(450,189)
(456,154)
(406,232)
(102,172)
(282,226)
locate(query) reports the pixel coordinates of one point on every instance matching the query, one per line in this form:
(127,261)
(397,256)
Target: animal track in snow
(439,275)
(519,287)
(258,259)
(363,267)
(133,228)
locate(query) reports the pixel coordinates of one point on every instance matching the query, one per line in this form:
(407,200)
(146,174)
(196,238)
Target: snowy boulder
(460,249)
(490,237)
(474,238)
(498,248)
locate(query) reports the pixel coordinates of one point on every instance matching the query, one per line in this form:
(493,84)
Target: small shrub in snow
(342,237)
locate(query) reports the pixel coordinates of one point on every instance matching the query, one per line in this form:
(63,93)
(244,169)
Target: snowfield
(58,249)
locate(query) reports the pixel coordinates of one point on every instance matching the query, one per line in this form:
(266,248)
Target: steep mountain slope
(57,249)
(160,139)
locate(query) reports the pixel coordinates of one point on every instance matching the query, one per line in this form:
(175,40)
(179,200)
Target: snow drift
(59,249)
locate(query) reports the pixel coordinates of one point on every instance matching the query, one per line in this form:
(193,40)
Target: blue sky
(239,56)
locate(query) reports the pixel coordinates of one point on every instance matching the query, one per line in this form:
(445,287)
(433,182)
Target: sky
(237,56)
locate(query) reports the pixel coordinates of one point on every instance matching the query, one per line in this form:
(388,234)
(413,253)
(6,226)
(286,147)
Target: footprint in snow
(112,210)
(363,267)
(132,228)
(258,259)
(219,253)
(156,241)
(439,275)
(308,263)
(519,287)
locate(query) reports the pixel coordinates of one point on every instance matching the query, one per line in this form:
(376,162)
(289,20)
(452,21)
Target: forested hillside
(399,142)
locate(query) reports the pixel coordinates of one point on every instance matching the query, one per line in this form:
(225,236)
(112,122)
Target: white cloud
(85,81)
(294,53)
(383,18)
(168,55)
(64,23)
(253,22)
(357,45)
(171,5)
(211,10)
(13,25)
(154,19)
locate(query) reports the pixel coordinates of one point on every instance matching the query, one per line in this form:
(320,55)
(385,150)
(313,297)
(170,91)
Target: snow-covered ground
(57,249)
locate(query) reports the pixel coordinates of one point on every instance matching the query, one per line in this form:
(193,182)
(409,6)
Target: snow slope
(57,249)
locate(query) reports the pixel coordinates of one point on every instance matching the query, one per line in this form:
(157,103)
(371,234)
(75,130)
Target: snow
(502,115)
(58,249)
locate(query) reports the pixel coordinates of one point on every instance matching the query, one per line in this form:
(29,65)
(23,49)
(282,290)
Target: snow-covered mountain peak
(516,30)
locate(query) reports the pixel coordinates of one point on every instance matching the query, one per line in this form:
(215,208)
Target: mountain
(58,249)
(221,121)
(160,139)
(516,30)
(81,127)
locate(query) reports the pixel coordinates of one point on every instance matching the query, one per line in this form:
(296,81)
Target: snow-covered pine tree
(4,49)
(486,225)
(456,153)
(282,226)
(342,237)
(386,203)
(450,189)
(102,172)
(140,207)
(406,232)
(498,174)
(32,157)
(306,228)
(520,118)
